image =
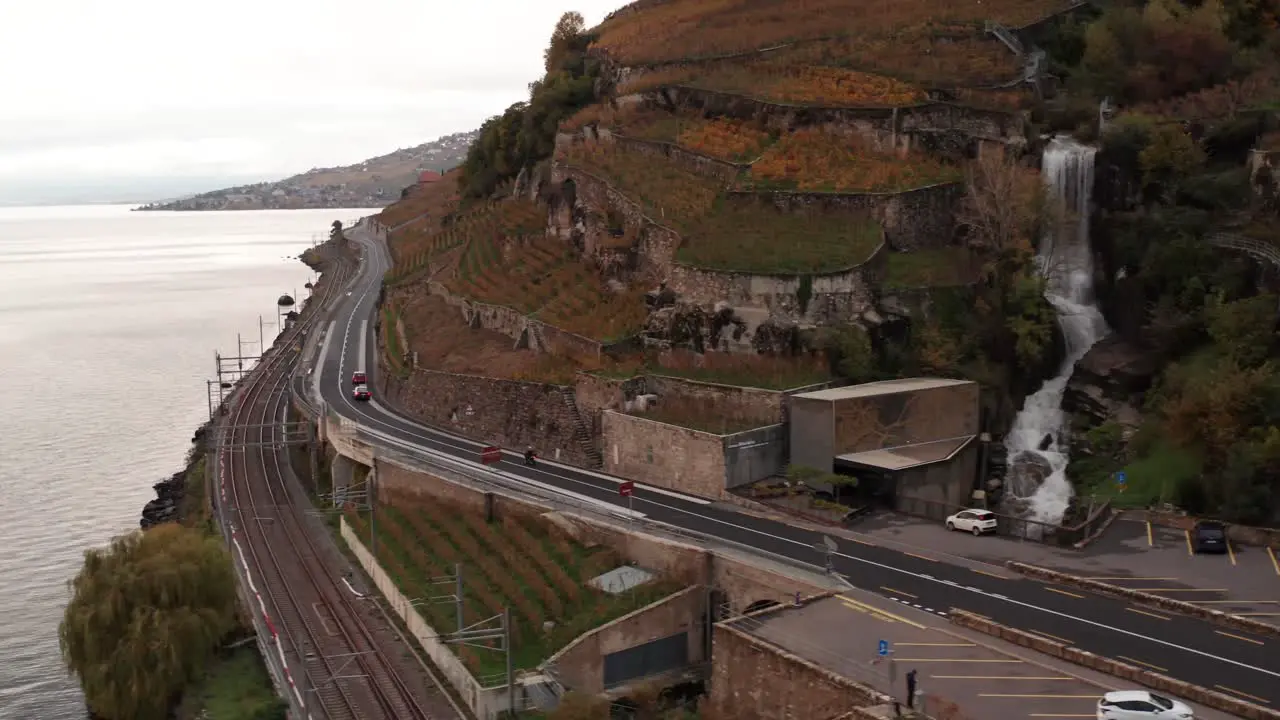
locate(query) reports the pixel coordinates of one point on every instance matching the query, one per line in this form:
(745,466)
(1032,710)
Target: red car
(358,378)
(361,393)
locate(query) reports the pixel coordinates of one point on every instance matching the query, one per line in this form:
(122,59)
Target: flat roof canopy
(882,387)
(903,457)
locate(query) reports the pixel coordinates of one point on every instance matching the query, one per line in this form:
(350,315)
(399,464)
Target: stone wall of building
(922,415)
(663,455)
(580,665)
(912,220)
(755,680)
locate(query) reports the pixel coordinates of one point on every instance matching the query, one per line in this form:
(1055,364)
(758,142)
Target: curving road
(1232,662)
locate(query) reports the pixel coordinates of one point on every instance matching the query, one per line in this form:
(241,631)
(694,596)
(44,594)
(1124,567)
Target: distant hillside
(373,183)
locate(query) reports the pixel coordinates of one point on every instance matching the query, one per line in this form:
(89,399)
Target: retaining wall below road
(1115,668)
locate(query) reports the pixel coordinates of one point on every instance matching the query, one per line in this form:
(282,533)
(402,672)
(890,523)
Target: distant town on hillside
(375,182)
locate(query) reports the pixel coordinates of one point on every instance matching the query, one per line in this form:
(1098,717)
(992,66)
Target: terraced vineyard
(412,251)
(520,562)
(704,28)
(434,200)
(732,140)
(543,279)
(812,160)
(736,235)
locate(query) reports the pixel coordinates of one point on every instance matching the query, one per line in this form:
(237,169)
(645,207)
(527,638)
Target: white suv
(1141,705)
(974,521)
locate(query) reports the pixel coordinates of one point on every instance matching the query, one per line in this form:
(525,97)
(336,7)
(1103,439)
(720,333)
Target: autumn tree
(569,28)
(1002,211)
(524,135)
(1169,158)
(1245,330)
(145,617)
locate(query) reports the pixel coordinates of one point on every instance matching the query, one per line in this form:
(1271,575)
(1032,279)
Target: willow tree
(145,617)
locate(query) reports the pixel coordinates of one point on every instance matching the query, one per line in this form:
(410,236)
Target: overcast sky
(134,90)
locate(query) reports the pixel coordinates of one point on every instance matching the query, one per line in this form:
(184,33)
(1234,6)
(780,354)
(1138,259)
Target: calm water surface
(108,325)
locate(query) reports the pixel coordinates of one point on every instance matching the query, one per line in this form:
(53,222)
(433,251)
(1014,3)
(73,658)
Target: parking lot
(842,634)
(1132,554)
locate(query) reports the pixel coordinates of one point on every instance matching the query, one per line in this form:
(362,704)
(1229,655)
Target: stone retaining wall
(1115,668)
(912,219)
(888,127)
(507,413)
(756,680)
(1155,601)
(837,297)
(694,162)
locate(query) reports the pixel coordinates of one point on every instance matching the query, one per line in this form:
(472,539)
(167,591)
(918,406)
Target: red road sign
(626,489)
(490,455)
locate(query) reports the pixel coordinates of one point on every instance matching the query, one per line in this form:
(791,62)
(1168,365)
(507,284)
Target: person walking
(911,689)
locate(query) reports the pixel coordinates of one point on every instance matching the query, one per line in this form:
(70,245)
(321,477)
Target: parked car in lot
(1209,536)
(973,521)
(359,378)
(361,393)
(1141,705)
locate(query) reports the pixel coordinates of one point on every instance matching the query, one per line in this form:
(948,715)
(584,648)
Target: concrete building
(910,441)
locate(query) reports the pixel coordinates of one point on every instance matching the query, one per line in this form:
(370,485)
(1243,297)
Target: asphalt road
(1181,647)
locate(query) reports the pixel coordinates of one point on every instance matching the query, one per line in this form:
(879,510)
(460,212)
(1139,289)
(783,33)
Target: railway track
(347,670)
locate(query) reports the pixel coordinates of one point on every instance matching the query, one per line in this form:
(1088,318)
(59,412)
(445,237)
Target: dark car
(359,378)
(361,393)
(1209,536)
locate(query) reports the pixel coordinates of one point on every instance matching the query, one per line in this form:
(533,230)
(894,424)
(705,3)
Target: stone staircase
(580,433)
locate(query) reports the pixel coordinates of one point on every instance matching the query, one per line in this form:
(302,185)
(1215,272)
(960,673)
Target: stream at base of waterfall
(1037,487)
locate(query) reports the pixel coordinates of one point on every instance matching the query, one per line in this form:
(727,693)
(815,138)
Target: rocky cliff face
(1109,383)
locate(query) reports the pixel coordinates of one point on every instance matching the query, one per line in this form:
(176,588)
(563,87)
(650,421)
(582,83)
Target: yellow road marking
(1160,590)
(1274,562)
(956,660)
(929,559)
(873,614)
(1063,592)
(993,678)
(1231,553)
(882,587)
(1240,637)
(1064,641)
(1139,662)
(862,542)
(878,611)
(1255,698)
(1144,612)
(989,574)
(1020,695)
(1187,535)
(1150,542)
(1257,614)
(934,644)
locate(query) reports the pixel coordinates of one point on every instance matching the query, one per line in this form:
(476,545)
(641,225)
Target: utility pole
(511,671)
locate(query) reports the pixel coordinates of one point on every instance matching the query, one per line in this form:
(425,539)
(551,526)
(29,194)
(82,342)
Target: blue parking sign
(884,648)
(1121,478)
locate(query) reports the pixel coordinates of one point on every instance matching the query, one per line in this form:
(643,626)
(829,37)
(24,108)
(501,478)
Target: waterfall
(1037,442)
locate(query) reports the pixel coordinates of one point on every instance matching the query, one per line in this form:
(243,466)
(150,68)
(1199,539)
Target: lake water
(109,321)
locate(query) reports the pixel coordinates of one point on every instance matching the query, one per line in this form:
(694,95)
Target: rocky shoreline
(167,506)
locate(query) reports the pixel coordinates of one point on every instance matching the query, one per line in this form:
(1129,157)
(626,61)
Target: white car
(974,521)
(1141,705)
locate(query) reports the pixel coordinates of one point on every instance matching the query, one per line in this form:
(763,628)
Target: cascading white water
(1066,260)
